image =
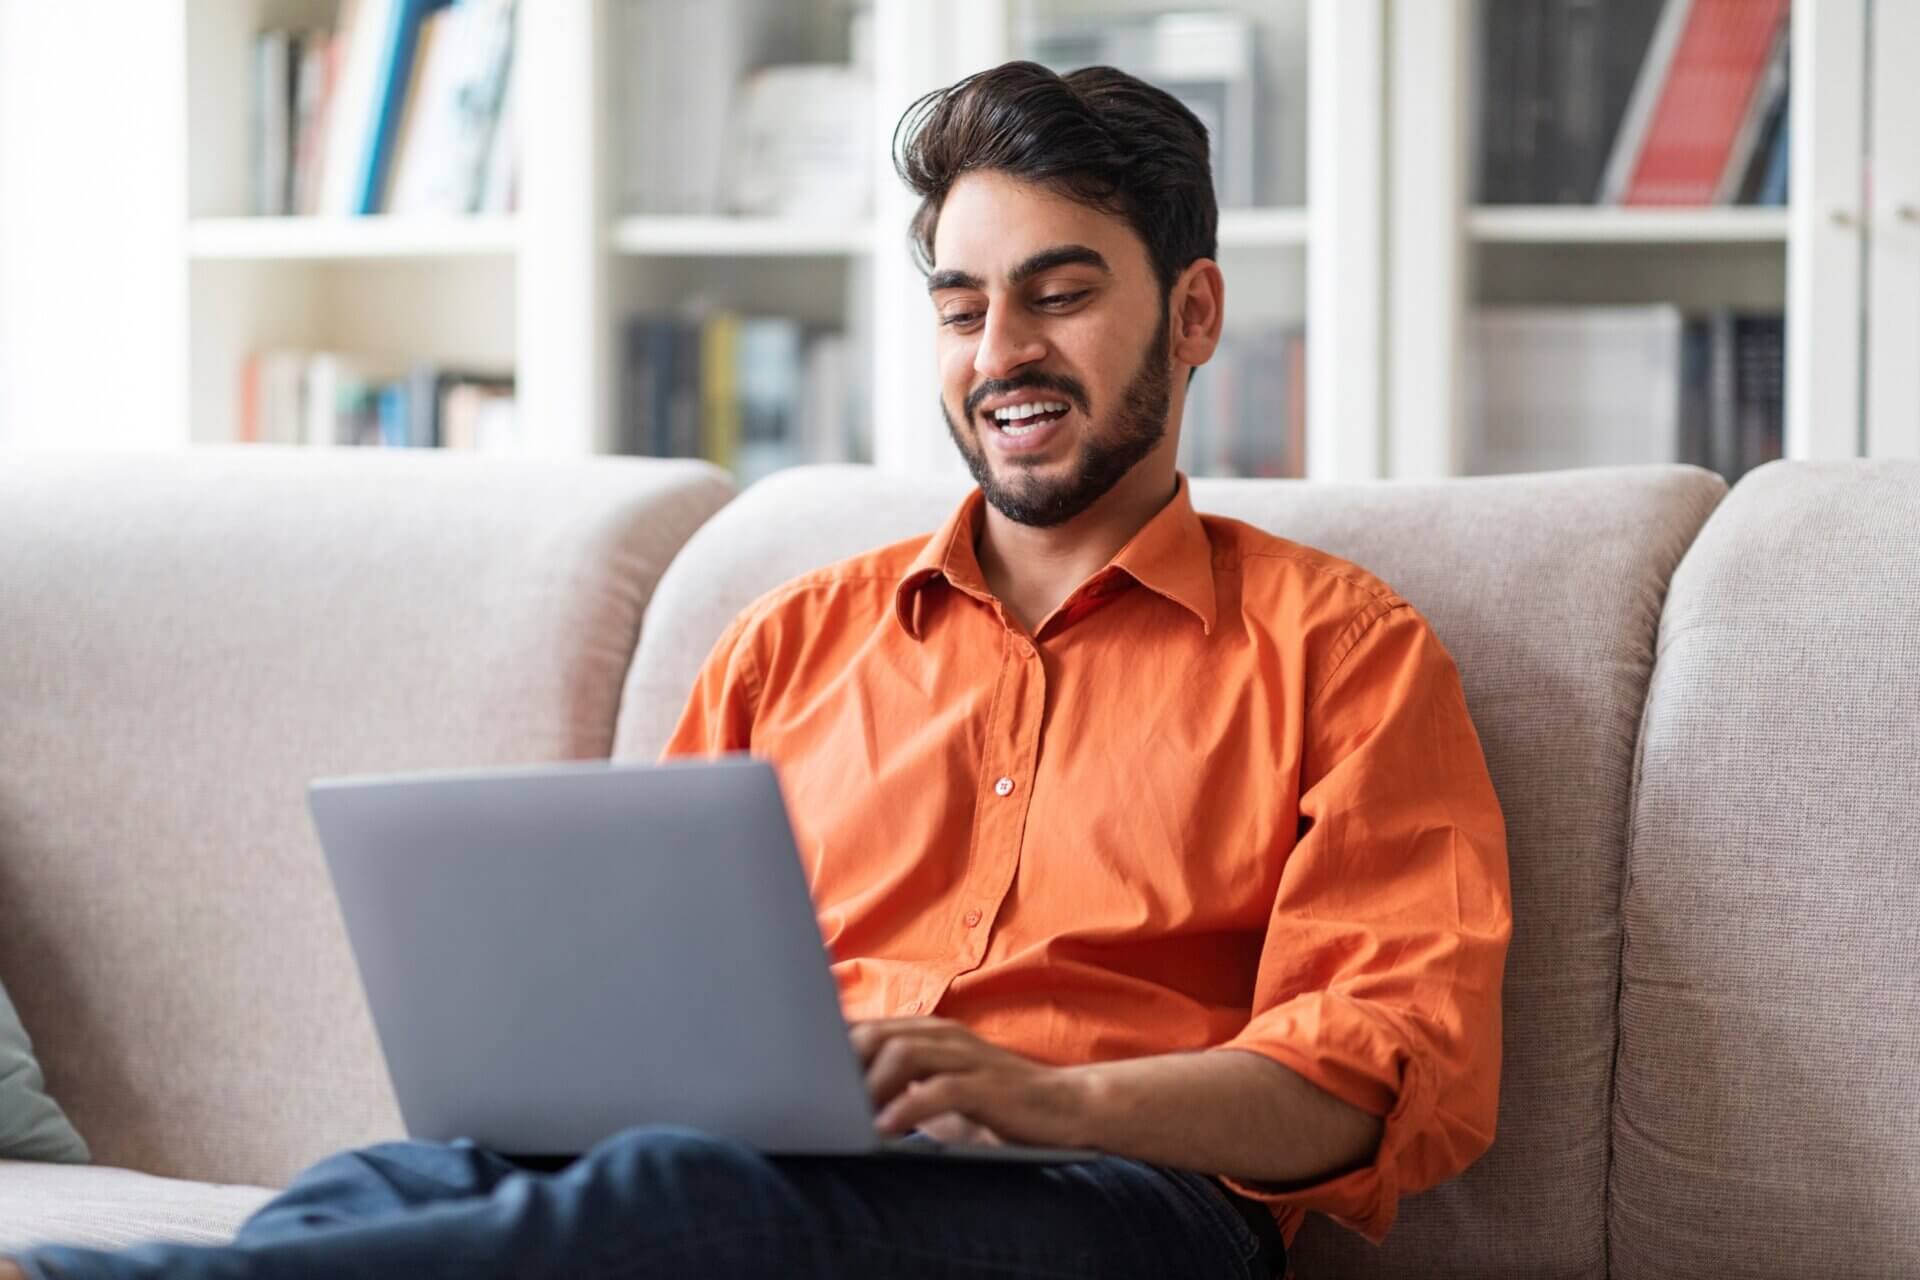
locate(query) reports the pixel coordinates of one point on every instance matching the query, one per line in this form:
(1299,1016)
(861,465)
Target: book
(350,109)
(1554,82)
(316,63)
(462,91)
(1766,109)
(1560,387)
(412,147)
(326,399)
(1694,95)
(393,75)
(272,120)
(719,400)
(499,175)
(753,393)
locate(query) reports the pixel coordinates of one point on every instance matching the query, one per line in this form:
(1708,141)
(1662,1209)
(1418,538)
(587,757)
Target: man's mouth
(1025,428)
(1016,421)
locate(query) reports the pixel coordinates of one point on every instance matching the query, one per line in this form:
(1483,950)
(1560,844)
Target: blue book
(1773,184)
(391,413)
(397,48)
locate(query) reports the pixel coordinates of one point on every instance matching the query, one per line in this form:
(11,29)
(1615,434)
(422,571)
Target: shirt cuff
(1364,1199)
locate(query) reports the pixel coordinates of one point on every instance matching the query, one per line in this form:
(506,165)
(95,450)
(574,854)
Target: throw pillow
(32,1125)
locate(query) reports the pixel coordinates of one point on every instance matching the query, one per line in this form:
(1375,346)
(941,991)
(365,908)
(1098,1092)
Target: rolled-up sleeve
(1379,980)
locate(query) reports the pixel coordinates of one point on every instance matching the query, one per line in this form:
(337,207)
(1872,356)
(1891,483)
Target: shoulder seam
(754,617)
(1380,593)
(1349,640)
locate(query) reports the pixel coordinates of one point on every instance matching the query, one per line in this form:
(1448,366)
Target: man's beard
(1139,425)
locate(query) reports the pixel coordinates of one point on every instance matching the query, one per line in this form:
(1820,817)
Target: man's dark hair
(1097,135)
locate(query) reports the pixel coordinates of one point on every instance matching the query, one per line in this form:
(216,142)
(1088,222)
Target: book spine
(1763,103)
(719,398)
(1720,59)
(393,77)
(1630,138)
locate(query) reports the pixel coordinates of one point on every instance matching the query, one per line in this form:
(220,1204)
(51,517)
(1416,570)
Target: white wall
(92,210)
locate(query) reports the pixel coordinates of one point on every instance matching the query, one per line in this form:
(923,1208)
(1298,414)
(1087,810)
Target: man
(1128,828)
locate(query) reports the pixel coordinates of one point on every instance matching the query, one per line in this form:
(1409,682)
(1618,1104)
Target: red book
(250,400)
(1707,62)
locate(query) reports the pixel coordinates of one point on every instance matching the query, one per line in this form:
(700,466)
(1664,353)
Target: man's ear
(1198,299)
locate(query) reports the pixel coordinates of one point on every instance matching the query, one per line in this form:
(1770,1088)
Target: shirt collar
(1170,555)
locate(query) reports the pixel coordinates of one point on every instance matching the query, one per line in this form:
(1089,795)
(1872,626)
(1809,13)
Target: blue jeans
(661,1200)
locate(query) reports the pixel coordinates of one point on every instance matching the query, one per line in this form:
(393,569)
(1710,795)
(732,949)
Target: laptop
(555,953)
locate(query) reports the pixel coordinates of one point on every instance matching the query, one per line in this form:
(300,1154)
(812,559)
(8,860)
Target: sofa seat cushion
(111,1208)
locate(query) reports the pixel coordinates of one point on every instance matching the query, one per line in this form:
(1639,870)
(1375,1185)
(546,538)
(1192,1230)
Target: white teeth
(1015,413)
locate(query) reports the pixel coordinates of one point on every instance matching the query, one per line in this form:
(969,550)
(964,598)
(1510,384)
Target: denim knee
(688,1171)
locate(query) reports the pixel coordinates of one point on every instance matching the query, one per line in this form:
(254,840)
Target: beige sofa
(1699,708)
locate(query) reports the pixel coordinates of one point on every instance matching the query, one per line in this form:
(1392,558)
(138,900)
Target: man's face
(1050,309)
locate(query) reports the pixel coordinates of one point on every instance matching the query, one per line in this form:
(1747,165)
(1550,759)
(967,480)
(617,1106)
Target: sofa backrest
(1767,1120)
(187,639)
(1547,591)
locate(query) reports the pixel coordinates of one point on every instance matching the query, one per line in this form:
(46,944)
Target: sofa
(1701,710)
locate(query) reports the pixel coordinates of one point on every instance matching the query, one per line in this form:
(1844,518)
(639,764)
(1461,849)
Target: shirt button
(1004,787)
(972,918)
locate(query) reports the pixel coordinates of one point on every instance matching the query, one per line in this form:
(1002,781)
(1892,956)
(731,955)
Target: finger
(868,1035)
(907,1058)
(924,1099)
(951,1126)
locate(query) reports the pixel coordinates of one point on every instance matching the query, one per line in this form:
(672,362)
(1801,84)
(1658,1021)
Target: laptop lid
(554,953)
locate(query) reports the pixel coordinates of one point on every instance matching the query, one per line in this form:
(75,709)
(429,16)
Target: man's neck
(1032,569)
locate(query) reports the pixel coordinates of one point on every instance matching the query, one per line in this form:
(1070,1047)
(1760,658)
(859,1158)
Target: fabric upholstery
(1766,1122)
(105,1208)
(1547,591)
(190,638)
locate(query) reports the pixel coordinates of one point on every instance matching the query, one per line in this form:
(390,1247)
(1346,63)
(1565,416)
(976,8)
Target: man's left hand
(921,1069)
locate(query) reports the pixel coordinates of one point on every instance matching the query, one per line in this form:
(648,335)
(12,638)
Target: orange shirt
(1227,795)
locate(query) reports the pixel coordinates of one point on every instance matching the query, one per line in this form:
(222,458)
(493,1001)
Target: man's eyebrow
(1045,260)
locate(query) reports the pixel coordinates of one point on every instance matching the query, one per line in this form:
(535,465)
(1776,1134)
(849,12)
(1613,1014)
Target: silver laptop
(555,953)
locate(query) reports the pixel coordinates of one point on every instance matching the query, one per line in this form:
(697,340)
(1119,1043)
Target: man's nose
(1008,342)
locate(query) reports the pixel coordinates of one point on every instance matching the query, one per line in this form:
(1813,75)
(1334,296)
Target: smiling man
(1128,828)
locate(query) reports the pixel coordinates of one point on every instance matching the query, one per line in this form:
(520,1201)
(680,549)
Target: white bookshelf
(543,292)
(1449,255)
(1370,238)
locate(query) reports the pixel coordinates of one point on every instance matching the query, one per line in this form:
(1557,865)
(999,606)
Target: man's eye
(1063,297)
(958,317)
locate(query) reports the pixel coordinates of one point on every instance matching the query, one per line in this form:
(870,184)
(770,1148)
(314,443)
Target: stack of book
(752,393)
(1246,409)
(326,398)
(404,107)
(744,107)
(1634,102)
(1558,387)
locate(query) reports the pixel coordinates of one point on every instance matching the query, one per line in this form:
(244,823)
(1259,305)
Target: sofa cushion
(1765,1123)
(104,1208)
(1547,591)
(189,638)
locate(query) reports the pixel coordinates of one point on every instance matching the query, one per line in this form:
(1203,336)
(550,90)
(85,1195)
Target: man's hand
(935,1070)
